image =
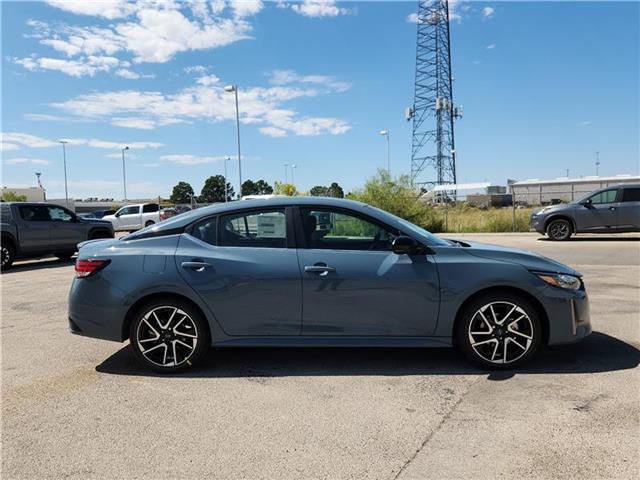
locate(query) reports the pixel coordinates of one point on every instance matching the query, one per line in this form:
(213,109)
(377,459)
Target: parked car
(173,211)
(314,271)
(134,217)
(97,214)
(608,210)
(38,229)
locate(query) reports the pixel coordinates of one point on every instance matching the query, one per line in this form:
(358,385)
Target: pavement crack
(431,434)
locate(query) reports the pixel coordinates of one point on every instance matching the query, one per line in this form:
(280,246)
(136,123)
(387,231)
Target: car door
(599,211)
(244,266)
(34,228)
(129,217)
(353,284)
(629,209)
(66,231)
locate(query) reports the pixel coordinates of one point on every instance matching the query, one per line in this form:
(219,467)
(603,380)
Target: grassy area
(466,219)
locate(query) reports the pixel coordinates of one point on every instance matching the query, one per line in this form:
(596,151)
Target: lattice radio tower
(433,157)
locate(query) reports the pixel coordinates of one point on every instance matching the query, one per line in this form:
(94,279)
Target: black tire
(8,252)
(488,334)
(178,334)
(64,255)
(559,229)
(149,223)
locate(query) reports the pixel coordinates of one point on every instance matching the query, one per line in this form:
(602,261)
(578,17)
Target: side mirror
(407,246)
(586,203)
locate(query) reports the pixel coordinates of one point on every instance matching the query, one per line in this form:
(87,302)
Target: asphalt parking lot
(75,407)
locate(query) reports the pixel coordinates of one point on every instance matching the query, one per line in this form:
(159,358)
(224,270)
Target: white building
(564,189)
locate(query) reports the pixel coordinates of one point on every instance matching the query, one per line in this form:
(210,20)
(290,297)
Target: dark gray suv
(37,229)
(608,210)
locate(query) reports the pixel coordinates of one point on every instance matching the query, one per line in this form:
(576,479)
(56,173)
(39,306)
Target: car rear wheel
(499,331)
(8,255)
(149,223)
(559,229)
(168,336)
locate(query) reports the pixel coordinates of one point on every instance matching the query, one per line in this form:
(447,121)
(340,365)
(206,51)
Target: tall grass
(464,218)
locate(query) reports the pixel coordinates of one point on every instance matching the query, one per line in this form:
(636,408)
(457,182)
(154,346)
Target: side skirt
(329,341)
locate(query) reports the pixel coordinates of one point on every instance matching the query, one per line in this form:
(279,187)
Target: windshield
(427,236)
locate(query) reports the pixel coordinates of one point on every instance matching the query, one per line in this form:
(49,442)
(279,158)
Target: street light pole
(234,89)
(64,162)
(597,162)
(293,167)
(124,176)
(226,191)
(286,173)
(386,134)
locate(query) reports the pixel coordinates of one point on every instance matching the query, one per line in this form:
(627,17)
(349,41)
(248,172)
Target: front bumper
(536,223)
(569,319)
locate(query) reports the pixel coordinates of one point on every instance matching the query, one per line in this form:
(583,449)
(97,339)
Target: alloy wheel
(501,332)
(6,256)
(167,336)
(559,230)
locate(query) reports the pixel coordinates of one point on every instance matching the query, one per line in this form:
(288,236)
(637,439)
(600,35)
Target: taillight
(86,268)
(163,216)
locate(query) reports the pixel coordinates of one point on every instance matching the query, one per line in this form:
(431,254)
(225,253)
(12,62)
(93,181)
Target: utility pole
(597,162)
(234,89)
(124,176)
(286,173)
(226,191)
(64,163)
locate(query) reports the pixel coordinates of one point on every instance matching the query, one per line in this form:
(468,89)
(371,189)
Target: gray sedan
(318,272)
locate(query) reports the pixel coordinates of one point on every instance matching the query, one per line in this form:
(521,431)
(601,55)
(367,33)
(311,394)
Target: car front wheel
(167,336)
(499,331)
(559,229)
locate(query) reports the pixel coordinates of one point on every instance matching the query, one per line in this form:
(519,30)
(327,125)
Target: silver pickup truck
(38,229)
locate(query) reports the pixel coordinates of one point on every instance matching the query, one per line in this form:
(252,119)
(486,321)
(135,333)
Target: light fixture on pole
(226,191)
(286,173)
(386,134)
(124,176)
(234,89)
(64,163)
(293,167)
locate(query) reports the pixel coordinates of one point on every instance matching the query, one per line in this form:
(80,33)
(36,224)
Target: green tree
(335,191)
(249,187)
(319,191)
(397,196)
(213,190)
(288,189)
(13,197)
(181,193)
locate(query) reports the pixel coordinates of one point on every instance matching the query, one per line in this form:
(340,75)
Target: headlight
(560,280)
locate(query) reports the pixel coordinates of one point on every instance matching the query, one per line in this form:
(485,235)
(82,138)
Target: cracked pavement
(80,408)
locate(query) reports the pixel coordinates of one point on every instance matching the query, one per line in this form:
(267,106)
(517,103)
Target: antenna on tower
(433,154)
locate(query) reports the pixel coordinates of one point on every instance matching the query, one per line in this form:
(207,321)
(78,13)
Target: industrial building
(562,190)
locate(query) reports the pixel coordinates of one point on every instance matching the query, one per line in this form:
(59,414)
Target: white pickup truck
(134,217)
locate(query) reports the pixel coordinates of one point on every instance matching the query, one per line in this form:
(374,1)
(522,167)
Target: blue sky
(543,85)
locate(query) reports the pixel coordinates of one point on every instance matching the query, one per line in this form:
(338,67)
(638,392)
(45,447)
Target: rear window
(149,208)
(34,213)
(631,195)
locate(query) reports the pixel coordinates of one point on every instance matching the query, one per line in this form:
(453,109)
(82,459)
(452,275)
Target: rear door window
(149,208)
(34,213)
(266,229)
(631,195)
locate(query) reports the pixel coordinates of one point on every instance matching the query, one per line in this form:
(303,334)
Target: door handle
(197,266)
(320,269)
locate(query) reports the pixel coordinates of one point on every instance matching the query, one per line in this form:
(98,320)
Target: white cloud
(23,160)
(145,31)
(491,46)
(412,18)
(185,159)
(245,8)
(487,12)
(42,117)
(6,147)
(140,123)
(286,77)
(95,143)
(585,123)
(118,155)
(273,132)
(207,100)
(454,7)
(319,8)
(109,9)
(197,69)
(27,140)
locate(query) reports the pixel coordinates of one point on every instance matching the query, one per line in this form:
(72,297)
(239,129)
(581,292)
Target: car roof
(186,218)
